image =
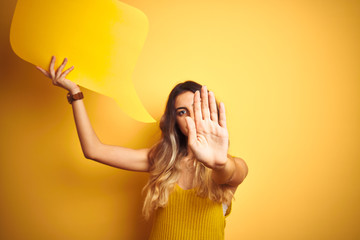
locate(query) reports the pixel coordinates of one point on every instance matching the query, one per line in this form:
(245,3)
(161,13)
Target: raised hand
(208,137)
(58,76)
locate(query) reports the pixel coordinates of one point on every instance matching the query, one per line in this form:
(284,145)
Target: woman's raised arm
(209,140)
(93,148)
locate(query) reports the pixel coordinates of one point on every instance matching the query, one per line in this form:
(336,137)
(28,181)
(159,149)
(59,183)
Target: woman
(192,178)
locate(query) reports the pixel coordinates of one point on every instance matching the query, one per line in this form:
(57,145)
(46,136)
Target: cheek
(182,125)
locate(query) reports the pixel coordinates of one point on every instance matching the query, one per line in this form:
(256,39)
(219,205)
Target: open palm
(208,137)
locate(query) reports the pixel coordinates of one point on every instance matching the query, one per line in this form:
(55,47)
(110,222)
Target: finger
(59,70)
(191,130)
(197,108)
(51,67)
(43,71)
(205,103)
(213,108)
(66,72)
(222,116)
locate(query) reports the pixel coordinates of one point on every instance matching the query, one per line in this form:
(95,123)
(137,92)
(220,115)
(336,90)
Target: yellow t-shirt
(188,216)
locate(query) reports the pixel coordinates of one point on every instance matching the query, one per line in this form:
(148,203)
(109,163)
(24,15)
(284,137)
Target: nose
(191,112)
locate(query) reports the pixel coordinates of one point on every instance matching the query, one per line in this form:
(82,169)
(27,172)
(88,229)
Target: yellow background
(288,73)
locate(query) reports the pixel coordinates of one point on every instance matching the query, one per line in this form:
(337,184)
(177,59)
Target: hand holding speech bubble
(101,38)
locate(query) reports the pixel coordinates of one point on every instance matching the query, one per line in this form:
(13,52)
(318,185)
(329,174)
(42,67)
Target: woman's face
(184,103)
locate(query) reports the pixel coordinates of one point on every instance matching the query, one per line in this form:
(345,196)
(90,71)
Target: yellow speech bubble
(101,38)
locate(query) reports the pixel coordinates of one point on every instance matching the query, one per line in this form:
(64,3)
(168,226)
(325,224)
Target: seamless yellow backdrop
(288,73)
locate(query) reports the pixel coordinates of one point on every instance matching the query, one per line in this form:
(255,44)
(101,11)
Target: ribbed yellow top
(188,216)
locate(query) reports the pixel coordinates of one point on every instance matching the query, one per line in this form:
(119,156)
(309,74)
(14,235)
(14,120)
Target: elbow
(89,153)
(242,170)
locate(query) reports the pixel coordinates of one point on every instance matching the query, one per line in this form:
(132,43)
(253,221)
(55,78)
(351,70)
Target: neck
(188,161)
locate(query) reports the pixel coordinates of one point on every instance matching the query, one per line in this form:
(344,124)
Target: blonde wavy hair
(165,156)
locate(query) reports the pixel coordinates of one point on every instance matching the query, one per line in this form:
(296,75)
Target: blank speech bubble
(101,38)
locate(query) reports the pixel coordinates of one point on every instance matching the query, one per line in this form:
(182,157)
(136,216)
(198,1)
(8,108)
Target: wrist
(74,95)
(221,166)
(224,174)
(74,90)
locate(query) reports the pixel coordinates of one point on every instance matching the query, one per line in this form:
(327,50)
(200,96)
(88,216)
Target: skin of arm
(232,173)
(93,148)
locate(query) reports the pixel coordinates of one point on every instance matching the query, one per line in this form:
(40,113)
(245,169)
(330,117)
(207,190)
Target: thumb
(191,130)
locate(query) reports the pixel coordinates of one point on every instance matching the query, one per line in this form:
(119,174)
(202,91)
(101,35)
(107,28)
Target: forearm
(233,172)
(222,174)
(88,139)
(116,156)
